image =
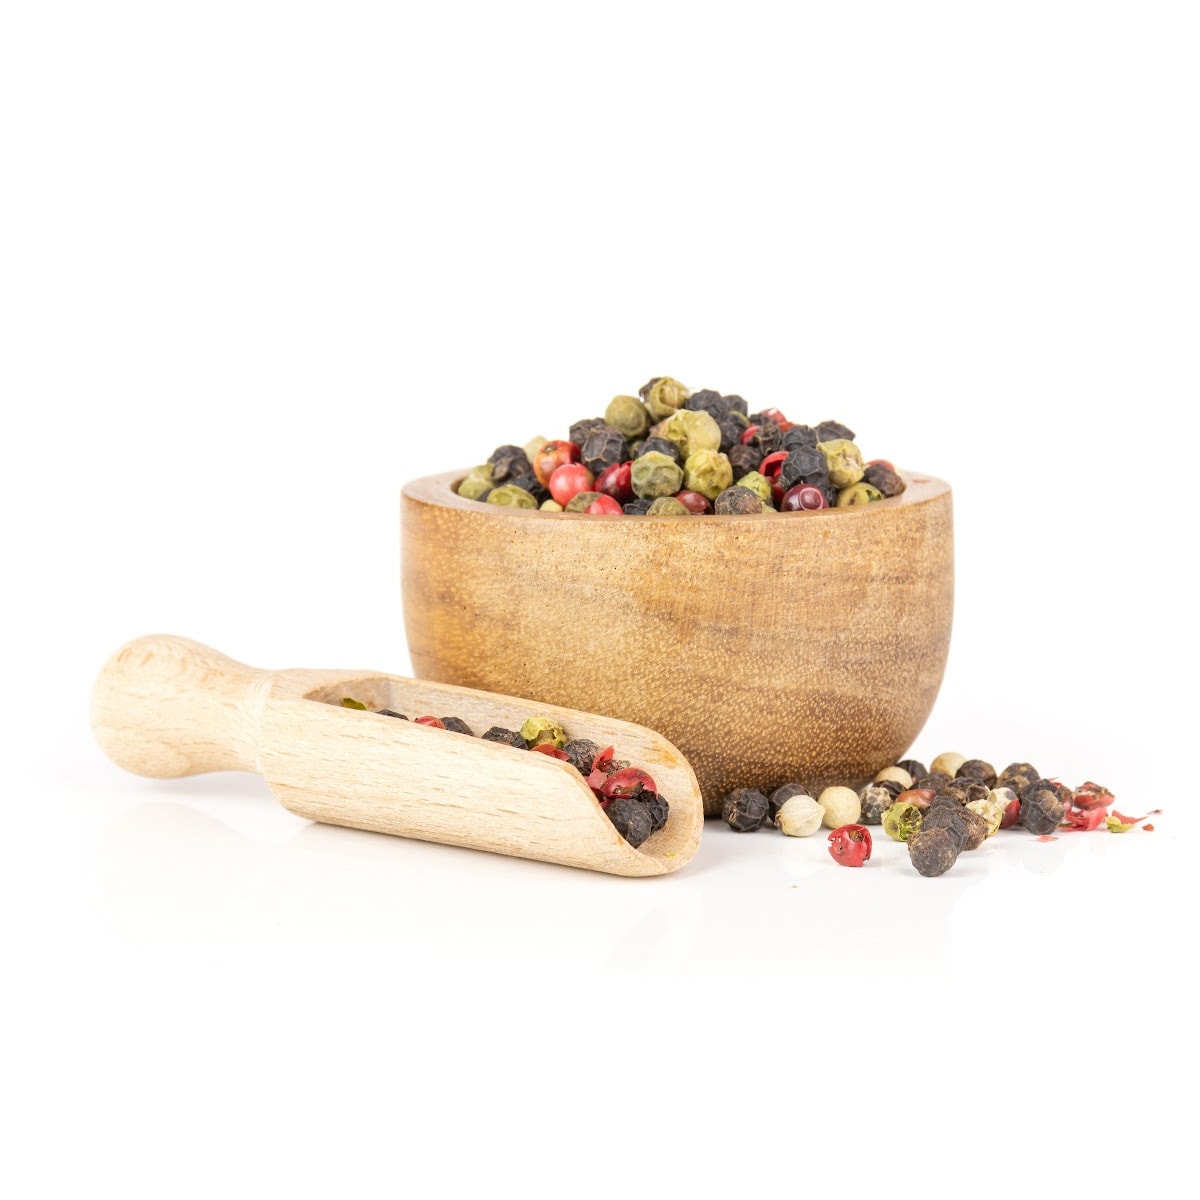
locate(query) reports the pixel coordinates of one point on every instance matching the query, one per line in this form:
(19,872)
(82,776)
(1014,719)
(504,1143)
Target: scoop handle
(166,706)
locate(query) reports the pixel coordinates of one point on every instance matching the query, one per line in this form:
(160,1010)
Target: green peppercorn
(1041,807)
(933,852)
(663,395)
(844,462)
(538,731)
(654,474)
(875,800)
(581,501)
(550,506)
(628,415)
(902,821)
(477,482)
(349,702)
(533,446)
(511,496)
(737,501)
(692,431)
(857,494)
(758,483)
(668,506)
(707,472)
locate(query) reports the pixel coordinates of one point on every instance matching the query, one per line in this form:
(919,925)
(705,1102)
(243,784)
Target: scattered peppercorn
(454,724)
(745,810)
(949,818)
(1017,776)
(799,816)
(506,737)
(842,806)
(1041,807)
(976,768)
(933,851)
(875,800)
(903,821)
(850,845)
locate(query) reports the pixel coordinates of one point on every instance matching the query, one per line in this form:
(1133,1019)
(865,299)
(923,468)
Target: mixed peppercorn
(939,813)
(627,794)
(671,452)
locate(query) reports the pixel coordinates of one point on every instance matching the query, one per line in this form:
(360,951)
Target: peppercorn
(781,795)
(765,437)
(387,712)
(736,404)
(745,810)
(668,506)
(707,472)
(569,480)
(695,503)
(947,763)
(966,790)
(1007,800)
(804,497)
(842,806)
(832,431)
(759,484)
(844,461)
(801,437)
(857,495)
(949,819)
(737,501)
(507,461)
(691,431)
(933,782)
(803,465)
(850,845)
(903,821)
(943,801)
(896,775)
(921,797)
(875,801)
(581,754)
(732,426)
(506,737)
(893,787)
(799,816)
(532,446)
(660,445)
(638,508)
(457,725)
(627,415)
(531,484)
(913,767)
(976,768)
(657,809)
(1041,807)
(884,479)
(582,501)
(663,395)
(991,812)
(349,702)
(578,433)
(933,851)
(550,506)
(477,481)
(743,460)
(539,730)
(604,447)
(631,820)
(655,475)
(617,482)
(706,400)
(511,496)
(1017,776)
(604,506)
(978,828)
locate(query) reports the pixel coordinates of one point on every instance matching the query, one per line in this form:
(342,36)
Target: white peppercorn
(799,816)
(899,774)
(947,764)
(842,806)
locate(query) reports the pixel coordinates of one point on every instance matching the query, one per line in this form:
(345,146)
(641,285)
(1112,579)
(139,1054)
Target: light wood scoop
(166,706)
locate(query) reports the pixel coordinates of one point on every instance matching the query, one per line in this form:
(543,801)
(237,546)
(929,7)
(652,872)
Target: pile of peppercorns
(952,807)
(671,452)
(627,794)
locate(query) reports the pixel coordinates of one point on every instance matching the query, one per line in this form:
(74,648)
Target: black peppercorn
(506,737)
(934,782)
(530,482)
(804,466)
(765,438)
(1041,806)
(457,725)
(604,447)
(638,508)
(944,801)
(387,712)
(833,431)
(884,479)
(949,818)
(508,462)
(977,829)
(933,851)
(736,404)
(1017,776)
(661,445)
(781,795)
(706,400)
(744,460)
(976,768)
(656,808)
(731,429)
(737,501)
(894,786)
(800,437)
(745,810)
(914,768)
(581,754)
(579,431)
(631,819)
(966,790)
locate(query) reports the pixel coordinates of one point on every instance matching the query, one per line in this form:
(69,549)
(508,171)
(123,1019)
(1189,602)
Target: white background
(261,263)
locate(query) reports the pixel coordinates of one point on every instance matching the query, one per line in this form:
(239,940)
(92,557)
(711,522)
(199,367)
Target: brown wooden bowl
(787,646)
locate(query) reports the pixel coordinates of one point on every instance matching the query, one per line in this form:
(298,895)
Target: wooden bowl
(772,648)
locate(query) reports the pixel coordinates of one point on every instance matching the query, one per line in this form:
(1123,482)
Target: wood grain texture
(788,646)
(166,707)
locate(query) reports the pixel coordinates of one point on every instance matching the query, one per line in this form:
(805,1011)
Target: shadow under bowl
(803,647)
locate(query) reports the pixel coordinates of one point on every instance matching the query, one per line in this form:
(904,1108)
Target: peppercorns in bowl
(766,643)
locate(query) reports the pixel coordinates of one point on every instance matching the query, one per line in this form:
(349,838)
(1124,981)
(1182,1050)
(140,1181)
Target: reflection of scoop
(166,707)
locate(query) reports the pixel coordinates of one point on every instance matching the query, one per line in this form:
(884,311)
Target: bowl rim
(438,490)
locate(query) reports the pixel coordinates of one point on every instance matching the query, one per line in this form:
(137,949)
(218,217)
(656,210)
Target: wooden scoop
(166,706)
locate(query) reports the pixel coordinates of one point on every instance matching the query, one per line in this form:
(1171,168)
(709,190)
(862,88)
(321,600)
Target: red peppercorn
(748,436)
(850,845)
(803,498)
(773,464)
(617,481)
(552,456)
(604,506)
(432,722)
(568,481)
(548,748)
(775,415)
(693,502)
(921,797)
(630,781)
